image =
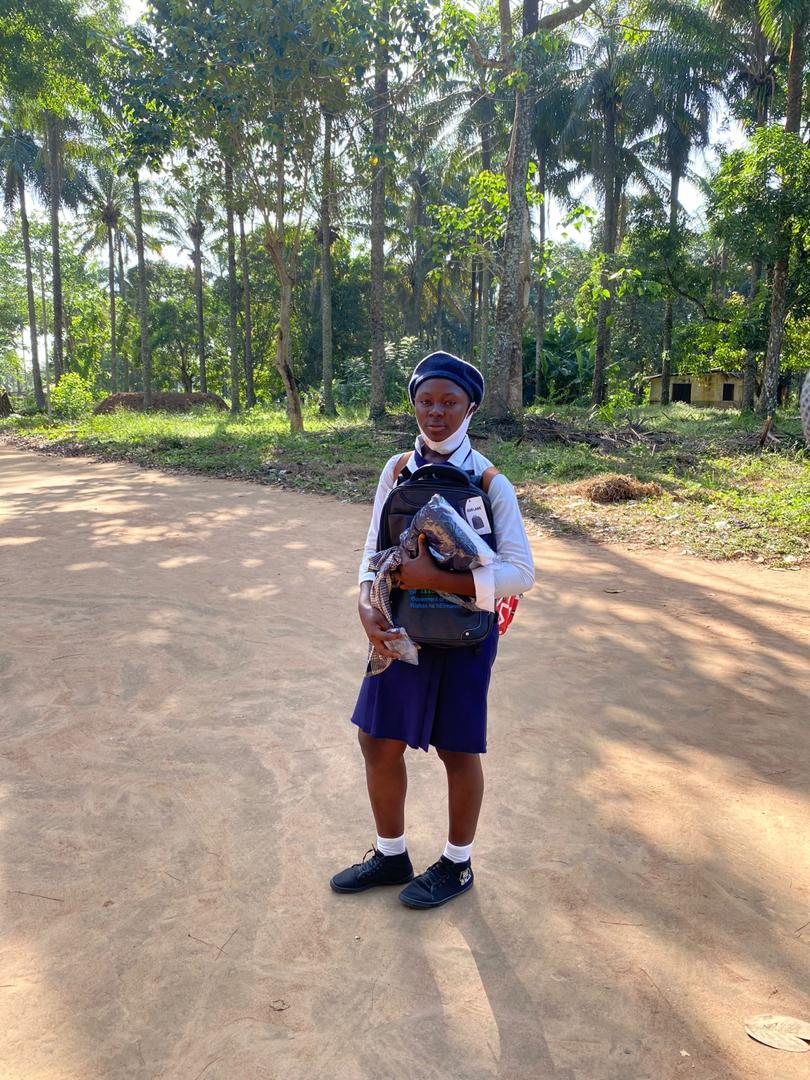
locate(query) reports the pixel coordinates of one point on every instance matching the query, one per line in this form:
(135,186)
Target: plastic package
(452,541)
(406,649)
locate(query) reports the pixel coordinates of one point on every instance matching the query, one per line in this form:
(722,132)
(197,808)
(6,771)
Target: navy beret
(442,365)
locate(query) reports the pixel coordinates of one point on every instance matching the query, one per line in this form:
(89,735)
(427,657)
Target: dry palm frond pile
(613,487)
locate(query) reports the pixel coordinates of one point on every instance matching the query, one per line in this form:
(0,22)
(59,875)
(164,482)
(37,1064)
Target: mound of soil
(614,487)
(171,402)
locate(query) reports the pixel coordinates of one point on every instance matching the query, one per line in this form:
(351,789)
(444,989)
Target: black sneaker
(439,883)
(378,870)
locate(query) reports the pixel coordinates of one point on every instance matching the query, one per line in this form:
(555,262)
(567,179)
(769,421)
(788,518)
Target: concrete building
(716,389)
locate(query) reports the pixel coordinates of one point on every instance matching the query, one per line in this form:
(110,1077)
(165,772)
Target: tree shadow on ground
(180,768)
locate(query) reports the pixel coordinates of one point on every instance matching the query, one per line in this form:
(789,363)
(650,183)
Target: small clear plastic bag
(406,649)
(452,541)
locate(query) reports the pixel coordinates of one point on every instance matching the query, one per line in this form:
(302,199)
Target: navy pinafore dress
(440,702)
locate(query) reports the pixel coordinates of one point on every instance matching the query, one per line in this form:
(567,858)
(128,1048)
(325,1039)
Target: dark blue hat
(442,365)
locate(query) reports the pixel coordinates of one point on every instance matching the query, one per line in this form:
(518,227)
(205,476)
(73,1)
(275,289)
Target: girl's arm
(513,574)
(422,572)
(384,486)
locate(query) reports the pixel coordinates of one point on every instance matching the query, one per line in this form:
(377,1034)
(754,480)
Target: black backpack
(427,616)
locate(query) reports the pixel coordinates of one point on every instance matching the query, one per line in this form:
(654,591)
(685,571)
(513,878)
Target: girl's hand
(418,572)
(377,629)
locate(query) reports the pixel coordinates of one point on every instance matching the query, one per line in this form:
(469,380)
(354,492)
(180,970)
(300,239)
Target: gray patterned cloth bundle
(384,564)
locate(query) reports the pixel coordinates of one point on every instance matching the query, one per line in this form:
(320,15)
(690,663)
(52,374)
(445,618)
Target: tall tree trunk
(666,345)
(750,369)
(233,294)
(196,258)
(540,313)
(483,321)
(70,341)
(111,285)
(119,253)
(39,396)
(505,400)
(599,384)
(379,134)
(185,374)
(486,272)
(276,245)
(45,330)
(143,313)
(509,309)
(471,314)
(413,314)
(283,355)
(768,400)
(439,312)
(326,271)
(53,137)
(621,219)
(247,318)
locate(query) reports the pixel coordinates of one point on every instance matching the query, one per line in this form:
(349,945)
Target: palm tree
(192,213)
(143,312)
(379,137)
(753,63)
(64,184)
(108,204)
(552,115)
(20,164)
(686,62)
(233,296)
(613,107)
(247,317)
(326,240)
(507,367)
(54,151)
(783,20)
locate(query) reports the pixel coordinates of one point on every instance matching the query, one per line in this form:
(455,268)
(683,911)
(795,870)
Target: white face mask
(452,442)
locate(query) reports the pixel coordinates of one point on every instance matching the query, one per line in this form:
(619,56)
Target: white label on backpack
(476,515)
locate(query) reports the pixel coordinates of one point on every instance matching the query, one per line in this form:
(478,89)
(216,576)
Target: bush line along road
(723,495)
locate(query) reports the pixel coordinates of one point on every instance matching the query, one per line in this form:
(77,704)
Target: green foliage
(707,344)
(353,384)
(619,402)
(475,229)
(796,355)
(723,498)
(759,201)
(567,358)
(72,397)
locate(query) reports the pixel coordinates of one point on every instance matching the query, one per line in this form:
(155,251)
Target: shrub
(353,384)
(71,398)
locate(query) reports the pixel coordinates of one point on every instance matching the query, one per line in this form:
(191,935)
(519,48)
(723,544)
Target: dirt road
(179,779)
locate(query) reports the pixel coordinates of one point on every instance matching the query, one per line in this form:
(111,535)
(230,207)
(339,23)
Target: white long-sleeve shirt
(513,573)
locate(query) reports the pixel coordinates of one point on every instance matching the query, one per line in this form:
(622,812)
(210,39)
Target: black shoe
(378,870)
(439,883)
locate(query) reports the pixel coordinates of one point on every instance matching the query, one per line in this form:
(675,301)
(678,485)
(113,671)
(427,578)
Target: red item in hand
(505,609)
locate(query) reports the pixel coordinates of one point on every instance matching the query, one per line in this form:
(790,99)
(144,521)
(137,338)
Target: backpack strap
(401,465)
(487,477)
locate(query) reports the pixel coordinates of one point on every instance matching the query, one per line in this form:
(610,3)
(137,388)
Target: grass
(723,496)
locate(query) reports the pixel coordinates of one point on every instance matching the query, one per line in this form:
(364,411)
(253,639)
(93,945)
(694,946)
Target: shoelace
(364,868)
(437,873)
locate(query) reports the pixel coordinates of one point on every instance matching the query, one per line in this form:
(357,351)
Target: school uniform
(443,700)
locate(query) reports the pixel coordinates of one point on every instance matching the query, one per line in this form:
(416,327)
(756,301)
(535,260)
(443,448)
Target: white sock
(457,852)
(392,845)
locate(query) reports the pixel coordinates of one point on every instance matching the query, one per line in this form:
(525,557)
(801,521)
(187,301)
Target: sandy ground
(179,779)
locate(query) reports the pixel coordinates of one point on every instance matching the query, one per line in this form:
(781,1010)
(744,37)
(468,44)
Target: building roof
(697,374)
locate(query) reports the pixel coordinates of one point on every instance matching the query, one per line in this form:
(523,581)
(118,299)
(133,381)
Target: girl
(443,700)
